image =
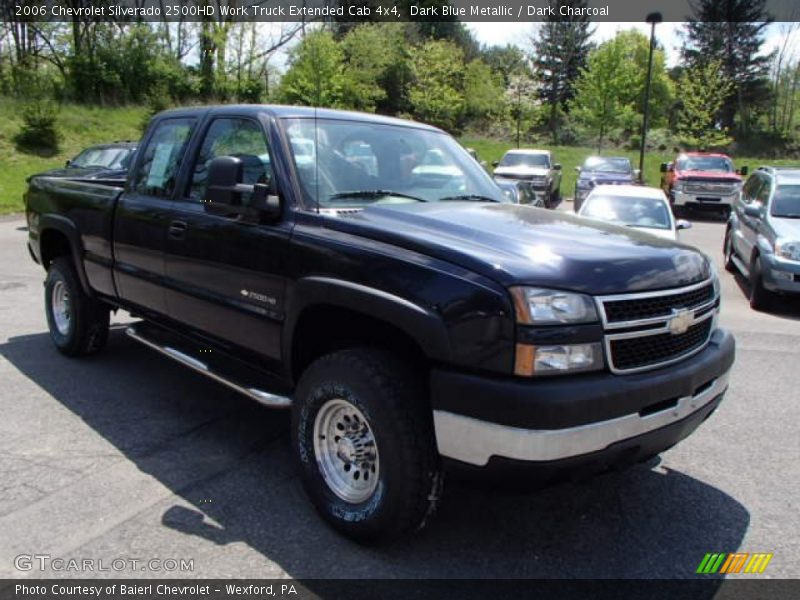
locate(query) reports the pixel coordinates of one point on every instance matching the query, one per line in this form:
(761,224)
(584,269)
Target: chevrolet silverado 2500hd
(408,316)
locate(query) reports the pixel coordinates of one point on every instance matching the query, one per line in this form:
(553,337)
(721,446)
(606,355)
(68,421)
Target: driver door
(226,273)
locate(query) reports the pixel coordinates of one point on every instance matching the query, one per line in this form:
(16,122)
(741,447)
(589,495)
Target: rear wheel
(362,433)
(760,297)
(78,323)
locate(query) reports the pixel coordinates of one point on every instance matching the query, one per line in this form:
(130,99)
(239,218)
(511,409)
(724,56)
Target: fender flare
(66,227)
(424,326)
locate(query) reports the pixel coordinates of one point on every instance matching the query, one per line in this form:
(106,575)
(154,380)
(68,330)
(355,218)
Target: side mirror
(664,167)
(557,166)
(495,163)
(68,163)
(224,191)
(744,170)
(682,224)
(753,209)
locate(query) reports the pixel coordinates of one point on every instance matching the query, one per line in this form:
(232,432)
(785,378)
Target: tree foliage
(316,72)
(703,90)
(436,93)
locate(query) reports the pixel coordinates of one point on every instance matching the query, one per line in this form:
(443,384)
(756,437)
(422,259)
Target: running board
(260,396)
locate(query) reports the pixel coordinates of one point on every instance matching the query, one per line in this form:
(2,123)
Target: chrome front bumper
(473,441)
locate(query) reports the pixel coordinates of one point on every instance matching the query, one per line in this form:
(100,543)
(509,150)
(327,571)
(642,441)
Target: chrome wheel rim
(62,311)
(346,452)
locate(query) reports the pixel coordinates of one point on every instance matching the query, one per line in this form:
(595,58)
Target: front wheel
(363,437)
(78,323)
(727,250)
(760,297)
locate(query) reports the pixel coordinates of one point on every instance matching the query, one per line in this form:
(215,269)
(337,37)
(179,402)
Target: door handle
(177,230)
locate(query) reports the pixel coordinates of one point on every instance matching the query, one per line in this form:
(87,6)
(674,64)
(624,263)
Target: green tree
(732,32)
(602,100)
(436,92)
(483,91)
(703,90)
(369,72)
(561,48)
(316,72)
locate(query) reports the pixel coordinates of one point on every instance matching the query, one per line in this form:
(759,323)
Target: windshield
(351,164)
(106,158)
(596,164)
(786,202)
(524,159)
(650,213)
(706,163)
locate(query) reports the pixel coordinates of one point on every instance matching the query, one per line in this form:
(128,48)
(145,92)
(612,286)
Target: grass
(80,126)
(573,156)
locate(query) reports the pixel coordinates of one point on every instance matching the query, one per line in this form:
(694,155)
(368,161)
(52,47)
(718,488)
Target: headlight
(555,359)
(536,306)
(679,186)
(788,249)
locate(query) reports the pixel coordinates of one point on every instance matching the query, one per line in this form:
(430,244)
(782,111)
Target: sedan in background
(634,206)
(103,161)
(520,192)
(602,170)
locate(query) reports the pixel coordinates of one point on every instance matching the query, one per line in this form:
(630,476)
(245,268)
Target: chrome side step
(260,396)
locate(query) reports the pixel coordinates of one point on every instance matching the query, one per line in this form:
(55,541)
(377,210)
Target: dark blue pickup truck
(407,315)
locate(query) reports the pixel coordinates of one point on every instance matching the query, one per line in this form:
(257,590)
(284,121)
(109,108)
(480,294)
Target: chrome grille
(723,189)
(652,329)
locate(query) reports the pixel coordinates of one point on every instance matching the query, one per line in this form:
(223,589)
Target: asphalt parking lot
(127,455)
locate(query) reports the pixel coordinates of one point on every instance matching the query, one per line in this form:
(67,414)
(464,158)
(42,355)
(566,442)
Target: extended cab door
(142,215)
(226,273)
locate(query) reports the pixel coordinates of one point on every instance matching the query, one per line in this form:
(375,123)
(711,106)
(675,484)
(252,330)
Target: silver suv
(762,239)
(536,167)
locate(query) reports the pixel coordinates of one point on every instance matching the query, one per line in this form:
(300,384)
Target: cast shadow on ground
(644,523)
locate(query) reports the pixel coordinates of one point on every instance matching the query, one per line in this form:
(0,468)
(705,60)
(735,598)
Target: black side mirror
(557,167)
(224,191)
(744,170)
(664,167)
(68,163)
(495,163)
(753,209)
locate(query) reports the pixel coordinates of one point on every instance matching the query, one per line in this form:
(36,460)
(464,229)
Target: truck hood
(786,228)
(716,175)
(521,171)
(515,244)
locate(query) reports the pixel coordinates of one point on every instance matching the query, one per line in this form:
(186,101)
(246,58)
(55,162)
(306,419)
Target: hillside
(80,126)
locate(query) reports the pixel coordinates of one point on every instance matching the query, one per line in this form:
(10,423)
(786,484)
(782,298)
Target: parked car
(535,166)
(762,239)
(103,161)
(635,206)
(404,327)
(703,181)
(602,170)
(520,192)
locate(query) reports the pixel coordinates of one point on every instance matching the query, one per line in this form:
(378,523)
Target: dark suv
(763,235)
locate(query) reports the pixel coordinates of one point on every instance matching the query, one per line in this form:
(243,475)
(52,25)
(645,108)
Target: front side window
(162,156)
(241,138)
(350,164)
(751,188)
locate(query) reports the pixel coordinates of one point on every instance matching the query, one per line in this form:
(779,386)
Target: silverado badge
(681,320)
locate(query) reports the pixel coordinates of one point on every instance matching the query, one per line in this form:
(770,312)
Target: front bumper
(709,201)
(570,419)
(781,275)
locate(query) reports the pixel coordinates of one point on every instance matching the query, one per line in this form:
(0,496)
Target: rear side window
(161,158)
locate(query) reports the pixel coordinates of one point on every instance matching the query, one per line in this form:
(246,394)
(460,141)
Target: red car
(702,180)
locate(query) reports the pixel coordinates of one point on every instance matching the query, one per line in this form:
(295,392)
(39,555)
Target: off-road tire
(87,328)
(393,400)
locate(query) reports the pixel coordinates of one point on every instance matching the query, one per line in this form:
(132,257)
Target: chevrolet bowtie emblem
(680,321)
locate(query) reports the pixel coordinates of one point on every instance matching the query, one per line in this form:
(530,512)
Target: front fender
(423,325)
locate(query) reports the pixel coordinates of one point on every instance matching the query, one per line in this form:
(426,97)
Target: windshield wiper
(373,194)
(469,198)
